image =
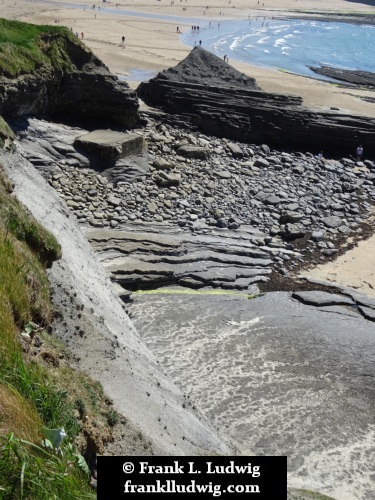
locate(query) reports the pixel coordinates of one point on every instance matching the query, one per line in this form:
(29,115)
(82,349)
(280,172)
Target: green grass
(6,134)
(32,472)
(16,221)
(26,47)
(30,395)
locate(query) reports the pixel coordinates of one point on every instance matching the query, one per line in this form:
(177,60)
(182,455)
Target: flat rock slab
(159,253)
(111,145)
(321,299)
(276,376)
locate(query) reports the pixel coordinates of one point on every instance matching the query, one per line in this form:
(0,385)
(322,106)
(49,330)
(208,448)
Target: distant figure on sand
(82,35)
(359,152)
(225,58)
(123,39)
(200,42)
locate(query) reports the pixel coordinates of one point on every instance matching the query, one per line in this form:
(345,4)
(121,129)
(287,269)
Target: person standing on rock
(359,153)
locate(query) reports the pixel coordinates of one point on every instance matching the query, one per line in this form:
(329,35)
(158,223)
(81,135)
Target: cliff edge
(47,70)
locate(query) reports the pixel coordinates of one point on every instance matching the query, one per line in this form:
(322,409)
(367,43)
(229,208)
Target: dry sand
(355,269)
(154,44)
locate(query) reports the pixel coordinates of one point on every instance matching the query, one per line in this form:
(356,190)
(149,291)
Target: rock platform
(277,376)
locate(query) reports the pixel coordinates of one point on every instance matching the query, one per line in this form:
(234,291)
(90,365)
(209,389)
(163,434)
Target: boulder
(292,231)
(235,150)
(163,179)
(197,152)
(111,145)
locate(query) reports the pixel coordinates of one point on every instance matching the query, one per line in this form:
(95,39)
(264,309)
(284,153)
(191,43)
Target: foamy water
(290,44)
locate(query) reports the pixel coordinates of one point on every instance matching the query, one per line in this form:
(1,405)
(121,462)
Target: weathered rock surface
(85,90)
(321,299)
(238,110)
(361,78)
(111,145)
(153,255)
(280,377)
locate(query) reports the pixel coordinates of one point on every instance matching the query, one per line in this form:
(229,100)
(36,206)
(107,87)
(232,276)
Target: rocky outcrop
(155,255)
(83,90)
(236,109)
(360,78)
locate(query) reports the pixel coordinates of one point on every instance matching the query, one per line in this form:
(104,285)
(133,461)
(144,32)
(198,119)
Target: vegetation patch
(47,410)
(31,471)
(20,226)
(25,47)
(6,135)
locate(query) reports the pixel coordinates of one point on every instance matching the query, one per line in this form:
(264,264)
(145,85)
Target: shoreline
(344,75)
(137,13)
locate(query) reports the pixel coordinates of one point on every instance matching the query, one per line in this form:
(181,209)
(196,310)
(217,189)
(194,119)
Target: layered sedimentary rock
(223,102)
(84,90)
(361,78)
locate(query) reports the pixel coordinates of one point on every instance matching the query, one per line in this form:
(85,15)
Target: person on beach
(359,152)
(123,39)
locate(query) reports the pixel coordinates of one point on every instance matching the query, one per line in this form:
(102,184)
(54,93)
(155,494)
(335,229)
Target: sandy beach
(153,44)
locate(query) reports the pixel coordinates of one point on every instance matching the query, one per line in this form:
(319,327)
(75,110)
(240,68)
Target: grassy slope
(37,389)
(23,48)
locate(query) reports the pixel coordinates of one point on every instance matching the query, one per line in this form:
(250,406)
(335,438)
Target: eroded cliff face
(109,348)
(73,84)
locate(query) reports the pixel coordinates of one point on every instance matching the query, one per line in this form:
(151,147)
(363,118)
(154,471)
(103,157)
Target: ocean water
(289,44)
